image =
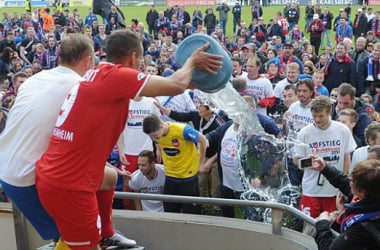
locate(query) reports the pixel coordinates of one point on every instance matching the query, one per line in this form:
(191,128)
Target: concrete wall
(165,231)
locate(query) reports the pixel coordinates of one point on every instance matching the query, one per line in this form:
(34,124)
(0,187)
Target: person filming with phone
(331,141)
(358,206)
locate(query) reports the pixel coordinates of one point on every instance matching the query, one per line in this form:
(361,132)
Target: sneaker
(116,241)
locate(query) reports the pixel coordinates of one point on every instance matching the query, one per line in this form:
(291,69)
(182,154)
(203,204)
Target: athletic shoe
(117,240)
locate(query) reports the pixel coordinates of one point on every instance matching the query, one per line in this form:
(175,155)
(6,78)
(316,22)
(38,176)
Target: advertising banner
(320,2)
(374,2)
(192,2)
(21,3)
(80,3)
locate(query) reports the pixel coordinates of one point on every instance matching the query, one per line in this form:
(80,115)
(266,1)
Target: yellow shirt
(179,151)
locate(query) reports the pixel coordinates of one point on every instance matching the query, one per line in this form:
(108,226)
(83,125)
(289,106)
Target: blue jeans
(308,21)
(27,201)
(236,22)
(223,24)
(327,34)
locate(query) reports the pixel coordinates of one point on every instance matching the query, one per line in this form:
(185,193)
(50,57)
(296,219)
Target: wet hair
(74,48)
(148,154)
(366,178)
(151,124)
(121,44)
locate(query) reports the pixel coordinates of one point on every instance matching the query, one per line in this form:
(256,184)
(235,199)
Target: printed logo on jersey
(67,106)
(140,76)
(175,142)
(154,189)
(228,155)
(329,150)
(171,151)
(136,116)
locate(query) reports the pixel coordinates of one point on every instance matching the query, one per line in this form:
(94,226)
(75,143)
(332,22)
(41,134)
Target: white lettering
(63,134)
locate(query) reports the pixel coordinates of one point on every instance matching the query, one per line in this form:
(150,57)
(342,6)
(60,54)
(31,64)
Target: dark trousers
(295,174)
(188,187)
(227,193)
(316,42)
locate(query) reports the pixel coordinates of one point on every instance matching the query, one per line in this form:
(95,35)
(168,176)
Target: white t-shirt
(134,139)
(280,87)
(360,154)
(261,88)
(180,103)
(229,160)
(331,144)
(243,75)
(141,184)
(300,116)
(31,122)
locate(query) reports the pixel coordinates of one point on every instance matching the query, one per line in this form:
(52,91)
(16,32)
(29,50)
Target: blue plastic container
(202,80)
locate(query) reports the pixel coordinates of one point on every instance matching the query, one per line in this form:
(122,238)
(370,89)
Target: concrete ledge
(157,231)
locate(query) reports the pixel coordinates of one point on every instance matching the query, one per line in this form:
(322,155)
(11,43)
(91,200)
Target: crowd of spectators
(284,67)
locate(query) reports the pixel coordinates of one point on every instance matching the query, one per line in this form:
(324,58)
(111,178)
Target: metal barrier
(277,208)
(277,211)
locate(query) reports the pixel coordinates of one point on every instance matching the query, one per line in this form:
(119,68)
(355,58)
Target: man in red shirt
(90,121)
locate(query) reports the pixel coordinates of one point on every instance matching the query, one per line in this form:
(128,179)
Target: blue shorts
(27,201)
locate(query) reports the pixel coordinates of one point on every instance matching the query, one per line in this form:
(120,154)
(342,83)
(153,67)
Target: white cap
(360,10)
(315,16)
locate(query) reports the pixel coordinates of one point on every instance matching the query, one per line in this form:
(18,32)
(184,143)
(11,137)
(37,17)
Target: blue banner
(21,3)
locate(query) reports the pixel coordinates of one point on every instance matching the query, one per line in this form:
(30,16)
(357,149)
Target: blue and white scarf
(372,76)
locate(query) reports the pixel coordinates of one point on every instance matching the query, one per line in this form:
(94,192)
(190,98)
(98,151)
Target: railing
(277,211)
(277,208)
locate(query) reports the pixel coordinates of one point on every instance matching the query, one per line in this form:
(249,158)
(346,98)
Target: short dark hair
(291,86)
(149,154)
(366,178)
(151,124)
(309,84)
(236,59)
(121,44)
(346,89)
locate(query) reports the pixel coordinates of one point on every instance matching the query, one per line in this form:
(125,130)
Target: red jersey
(285,26)
(89,124)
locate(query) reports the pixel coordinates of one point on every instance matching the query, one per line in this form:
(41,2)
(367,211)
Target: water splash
(262,157)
